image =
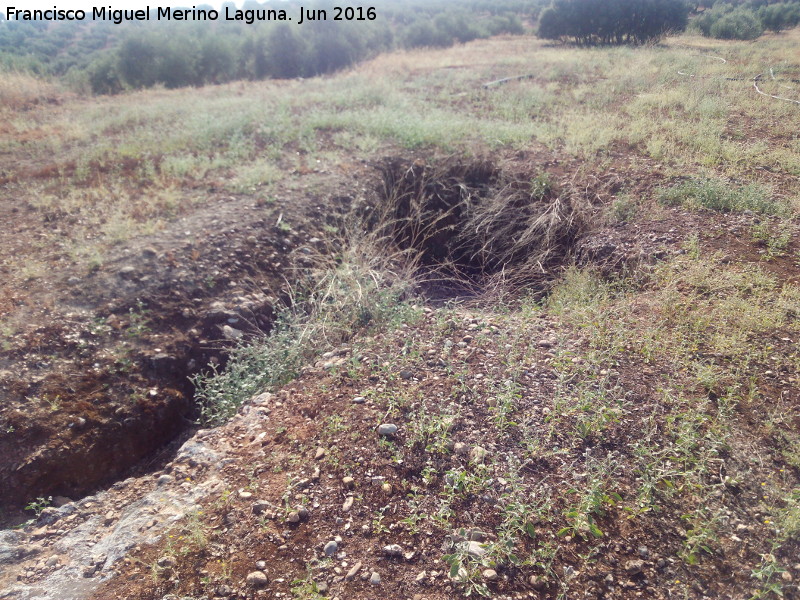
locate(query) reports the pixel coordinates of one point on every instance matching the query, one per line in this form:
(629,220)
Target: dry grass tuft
(474,220)
(21,90)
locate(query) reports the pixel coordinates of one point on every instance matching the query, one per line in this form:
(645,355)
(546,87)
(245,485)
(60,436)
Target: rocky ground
(430,460)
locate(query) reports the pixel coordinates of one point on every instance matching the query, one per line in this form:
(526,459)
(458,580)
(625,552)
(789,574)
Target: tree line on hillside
(746,20)
(590,22)
(109,58)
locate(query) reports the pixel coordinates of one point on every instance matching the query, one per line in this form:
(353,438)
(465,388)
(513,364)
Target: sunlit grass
(582,103)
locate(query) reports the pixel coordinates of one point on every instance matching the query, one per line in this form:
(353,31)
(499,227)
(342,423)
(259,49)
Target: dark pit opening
(473,221)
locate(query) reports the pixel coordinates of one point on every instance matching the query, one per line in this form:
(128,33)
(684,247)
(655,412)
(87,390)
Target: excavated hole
(117,419)
(475,224)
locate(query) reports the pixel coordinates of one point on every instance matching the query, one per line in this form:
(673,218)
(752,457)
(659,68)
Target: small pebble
(477,454)
(330,548)
(166,562)
(387,429)
(257,579)
(351,574)
(634,566)
(393,550)
(260,506)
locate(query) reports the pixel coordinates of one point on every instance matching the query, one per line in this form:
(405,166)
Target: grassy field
(632,418)
(144,154)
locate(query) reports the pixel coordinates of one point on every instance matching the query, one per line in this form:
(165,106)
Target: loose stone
(351,574)
(260,506)
(477,454)
(632,567)
(166,562)
(393,550)
(222,591)
(257,579)
(231,333)
(330,548)
(475,549)
(387,429)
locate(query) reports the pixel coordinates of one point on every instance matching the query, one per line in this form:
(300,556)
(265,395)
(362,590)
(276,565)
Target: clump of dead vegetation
(474,220)
(19,91)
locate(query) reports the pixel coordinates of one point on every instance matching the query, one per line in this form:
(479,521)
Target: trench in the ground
(98,435)
(468,222)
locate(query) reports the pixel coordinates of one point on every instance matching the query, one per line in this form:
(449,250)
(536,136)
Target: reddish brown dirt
(95,361)
(284,466)
(95,364)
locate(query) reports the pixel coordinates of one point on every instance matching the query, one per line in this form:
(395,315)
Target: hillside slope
(610,410)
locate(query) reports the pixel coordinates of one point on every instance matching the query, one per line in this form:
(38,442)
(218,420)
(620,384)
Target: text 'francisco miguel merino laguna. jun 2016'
(227,13)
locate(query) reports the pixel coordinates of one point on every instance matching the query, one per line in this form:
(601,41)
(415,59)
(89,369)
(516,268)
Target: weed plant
(362,287)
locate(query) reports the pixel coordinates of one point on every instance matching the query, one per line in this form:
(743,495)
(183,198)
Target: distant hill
(109,51)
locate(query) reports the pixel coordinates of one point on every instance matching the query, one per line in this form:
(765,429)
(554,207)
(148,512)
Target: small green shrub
(38,505)
(741,24)
(623,209)
(727,22)
(274,360)
(775,238)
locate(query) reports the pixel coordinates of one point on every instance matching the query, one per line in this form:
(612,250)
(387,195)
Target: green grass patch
(722,196)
